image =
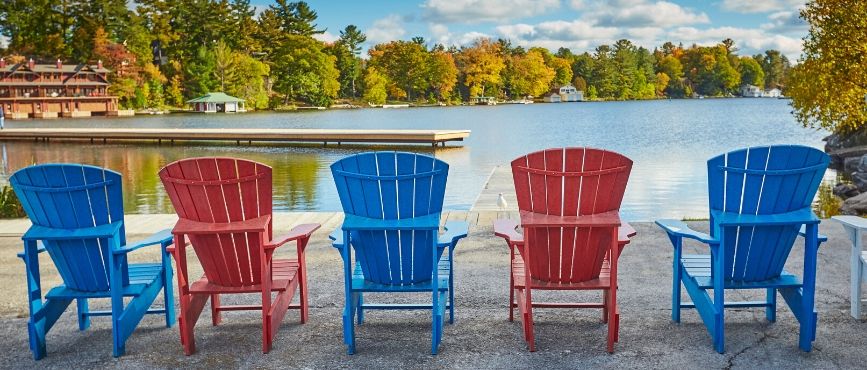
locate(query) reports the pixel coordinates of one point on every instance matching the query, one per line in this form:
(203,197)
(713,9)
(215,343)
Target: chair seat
(283,271)
(141,276)
(698,268)
(603,281)
(360,284)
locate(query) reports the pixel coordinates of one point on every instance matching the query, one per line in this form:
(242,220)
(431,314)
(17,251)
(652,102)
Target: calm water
(668,140)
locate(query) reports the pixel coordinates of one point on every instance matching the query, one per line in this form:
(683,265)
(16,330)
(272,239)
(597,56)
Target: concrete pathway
(481,337)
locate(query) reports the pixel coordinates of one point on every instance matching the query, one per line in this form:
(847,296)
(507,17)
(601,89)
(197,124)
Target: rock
(860,180)
(856,205)
(851,164)
(846,190)
(862,163)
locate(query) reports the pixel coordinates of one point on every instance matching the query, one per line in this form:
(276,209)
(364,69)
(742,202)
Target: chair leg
(511,296)
(771,309)
(613,319)
(856,276)
(349,324)
(359,309)
(83,317)
(675,287)
(168,293)
(527,320)
(604,306)
(216,317)
(719,323)
(451,288)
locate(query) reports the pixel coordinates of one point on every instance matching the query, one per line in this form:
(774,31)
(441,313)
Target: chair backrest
(762,181)
(222,190)
(392,186)
(569,182)
(73,196)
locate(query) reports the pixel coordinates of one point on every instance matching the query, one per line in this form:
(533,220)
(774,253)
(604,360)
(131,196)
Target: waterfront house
(483,100)
(569,93)
(751,91)
(773,93)
(552,97)
(55,90)
(217,102)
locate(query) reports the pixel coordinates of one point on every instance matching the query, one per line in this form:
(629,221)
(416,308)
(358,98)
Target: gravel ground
(481,337)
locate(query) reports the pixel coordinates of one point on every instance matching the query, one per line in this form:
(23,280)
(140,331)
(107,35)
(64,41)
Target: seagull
(501,202)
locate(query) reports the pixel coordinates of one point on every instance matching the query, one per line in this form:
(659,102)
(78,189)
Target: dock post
(237,142)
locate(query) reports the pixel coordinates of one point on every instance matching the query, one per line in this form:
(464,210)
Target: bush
(10,207)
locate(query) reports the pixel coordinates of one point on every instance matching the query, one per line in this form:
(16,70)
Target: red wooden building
(54,90)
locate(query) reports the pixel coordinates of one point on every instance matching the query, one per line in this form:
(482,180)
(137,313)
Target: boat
(395,105)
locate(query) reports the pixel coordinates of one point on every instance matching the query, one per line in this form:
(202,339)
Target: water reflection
(670,142)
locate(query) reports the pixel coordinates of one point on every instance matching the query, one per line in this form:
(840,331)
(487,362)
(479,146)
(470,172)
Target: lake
(669,141)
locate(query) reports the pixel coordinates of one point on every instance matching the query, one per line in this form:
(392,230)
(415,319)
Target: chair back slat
(570,182)
(73,196)
(392,186)
(222,190)
(762,181)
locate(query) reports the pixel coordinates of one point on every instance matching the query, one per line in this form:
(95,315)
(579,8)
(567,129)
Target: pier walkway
(238,135)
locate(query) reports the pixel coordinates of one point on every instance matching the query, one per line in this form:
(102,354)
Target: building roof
(65,68)
(216,97)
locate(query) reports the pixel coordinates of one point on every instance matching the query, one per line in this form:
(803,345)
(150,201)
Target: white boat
(395,105)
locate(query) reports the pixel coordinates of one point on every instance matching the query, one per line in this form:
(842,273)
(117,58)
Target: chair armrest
(854,222)
(802,216)
(302,231)
(48,233)
(625,233)
(162,237)
(39,249)
(336,237)
(190,227)
(680,229)
(507,229)
(607,219)
(354,223)
(803,232)
(454,231)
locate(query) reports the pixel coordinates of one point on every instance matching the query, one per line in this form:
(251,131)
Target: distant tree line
(273,59)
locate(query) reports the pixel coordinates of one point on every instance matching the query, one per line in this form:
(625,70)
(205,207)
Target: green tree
(829,86)
(375,84)
(224,64)
(199,73)
(776,68)
(296,18)
(751,72)
(405,64)
(247,80)
(350,68)
(242,34)
(304,71)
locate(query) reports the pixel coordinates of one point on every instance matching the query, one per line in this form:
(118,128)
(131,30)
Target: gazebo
(217,102)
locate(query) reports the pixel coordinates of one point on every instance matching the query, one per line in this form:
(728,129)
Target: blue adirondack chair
(77,217)
(392,202)
(760,201)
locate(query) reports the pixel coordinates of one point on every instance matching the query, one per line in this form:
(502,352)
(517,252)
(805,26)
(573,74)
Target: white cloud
(473,11)
(638,13)
(761,6)
(786,22)
(441,35)
(326,37)
(386,29)
(749,40)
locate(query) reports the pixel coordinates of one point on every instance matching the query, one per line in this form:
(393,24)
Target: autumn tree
(529,75)
(442,75)
(405,65)
(751,72)
(305,72)
(481,64)
(829,86)
(375,85)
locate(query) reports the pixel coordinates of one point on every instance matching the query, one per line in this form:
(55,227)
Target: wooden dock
(499,181)
(238,135)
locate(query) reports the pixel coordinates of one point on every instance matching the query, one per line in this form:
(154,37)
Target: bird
(501,202)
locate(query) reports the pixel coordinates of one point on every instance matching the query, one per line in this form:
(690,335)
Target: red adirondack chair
(224,210)
(568,200)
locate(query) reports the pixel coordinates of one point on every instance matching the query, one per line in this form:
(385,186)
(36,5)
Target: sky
(581,25)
